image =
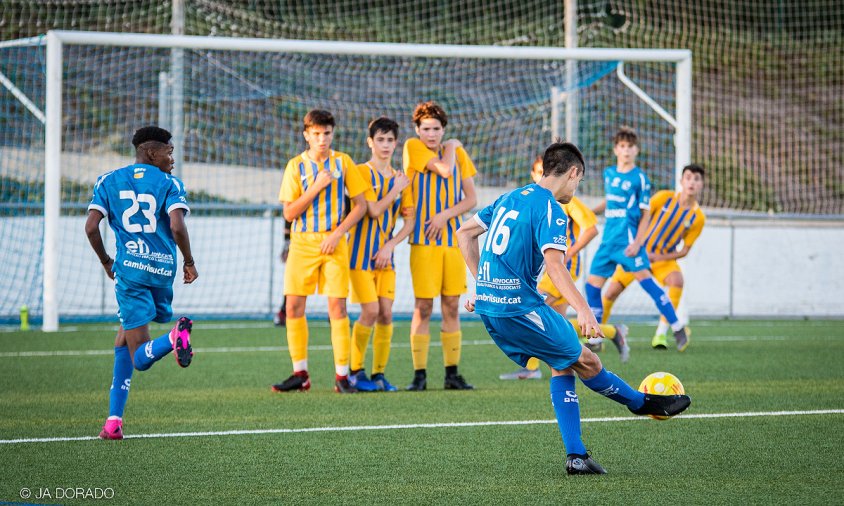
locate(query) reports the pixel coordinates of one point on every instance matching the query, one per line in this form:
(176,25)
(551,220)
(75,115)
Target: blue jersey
(627,194)
(137,201)
(520,226)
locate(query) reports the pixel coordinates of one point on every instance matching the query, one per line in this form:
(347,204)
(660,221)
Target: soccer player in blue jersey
(526,228)
(627,212)
(146,207)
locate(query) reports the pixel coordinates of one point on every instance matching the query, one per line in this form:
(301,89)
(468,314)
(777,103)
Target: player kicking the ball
(526,228)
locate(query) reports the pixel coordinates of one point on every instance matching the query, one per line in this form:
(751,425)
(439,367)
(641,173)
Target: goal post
(358,54)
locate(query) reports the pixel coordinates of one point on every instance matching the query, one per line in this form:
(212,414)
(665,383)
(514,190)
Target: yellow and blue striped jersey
(329,207)
(580,218)
(672,223)
(434,193)
(370,234)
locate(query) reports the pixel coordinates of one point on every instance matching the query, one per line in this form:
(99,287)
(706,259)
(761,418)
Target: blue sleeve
(549,221)
(484,216)
(644,196)
(99,201)
(176,196)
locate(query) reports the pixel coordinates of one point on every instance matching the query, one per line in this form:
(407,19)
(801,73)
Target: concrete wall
(737,268)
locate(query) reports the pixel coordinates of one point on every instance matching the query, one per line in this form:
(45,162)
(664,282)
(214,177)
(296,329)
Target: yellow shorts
(308,270)
(368,286)
(546,286)
(437,270)
(660,270)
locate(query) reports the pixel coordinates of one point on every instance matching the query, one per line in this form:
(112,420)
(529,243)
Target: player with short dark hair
(676,217)
(146,207)
(581,228)
(627,212)
(312,192)
(372,244)
(524,229)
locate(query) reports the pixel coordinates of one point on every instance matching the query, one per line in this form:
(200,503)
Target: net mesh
(242,122)
(766,112)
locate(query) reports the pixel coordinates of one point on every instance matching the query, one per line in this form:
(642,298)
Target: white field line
(222,349)
(320,347)
(419,426)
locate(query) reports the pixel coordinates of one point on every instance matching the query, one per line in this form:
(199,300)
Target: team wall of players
(338,244)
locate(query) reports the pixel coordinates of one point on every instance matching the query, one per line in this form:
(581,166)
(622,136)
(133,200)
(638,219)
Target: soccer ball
(661,383)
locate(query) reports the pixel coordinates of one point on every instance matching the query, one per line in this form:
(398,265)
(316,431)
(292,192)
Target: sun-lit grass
(729,367)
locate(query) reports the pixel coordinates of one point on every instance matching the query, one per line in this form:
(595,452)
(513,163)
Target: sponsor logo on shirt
(140,249)
(501,283)
(616,198)
(498,300)
(615,213)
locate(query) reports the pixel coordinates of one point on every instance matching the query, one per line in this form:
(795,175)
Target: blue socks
(663,303)
(593,297)
(152,351)
(567,409)
(610,385)
(119,392)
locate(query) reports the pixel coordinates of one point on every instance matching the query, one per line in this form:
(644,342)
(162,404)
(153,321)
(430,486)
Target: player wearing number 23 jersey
(137,201)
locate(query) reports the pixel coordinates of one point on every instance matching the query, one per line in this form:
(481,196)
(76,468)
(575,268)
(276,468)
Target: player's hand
(401,181)
(323,179)
(190,274)
(470,304)
(383,257)
(434,227)
(589,325)
(329,244)
(453,142)
(653,257)
(285,252)
(632,250)
(108,266)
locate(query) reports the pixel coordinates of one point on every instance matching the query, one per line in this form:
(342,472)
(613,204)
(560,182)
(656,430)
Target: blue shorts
(610,255)
(138,305)
(543,333)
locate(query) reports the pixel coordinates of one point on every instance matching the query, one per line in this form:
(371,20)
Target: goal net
(235,107)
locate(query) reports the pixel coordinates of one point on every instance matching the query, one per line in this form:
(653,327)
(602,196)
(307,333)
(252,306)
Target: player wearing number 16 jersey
(526,228)
(146,208)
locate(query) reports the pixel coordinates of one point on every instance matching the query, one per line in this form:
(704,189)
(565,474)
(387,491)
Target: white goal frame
(56,39)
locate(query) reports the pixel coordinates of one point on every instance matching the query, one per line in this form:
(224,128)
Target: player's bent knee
(588,365)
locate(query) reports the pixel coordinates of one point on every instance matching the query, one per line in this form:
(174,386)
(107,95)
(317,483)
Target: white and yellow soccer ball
(661,383)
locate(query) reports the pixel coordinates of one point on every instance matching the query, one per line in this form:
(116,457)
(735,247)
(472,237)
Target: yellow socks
(607,310)
(381,347)
(533,364)
(341,342)
(674,295)
(419,344)
(360,341)
(452,342)
(297,342)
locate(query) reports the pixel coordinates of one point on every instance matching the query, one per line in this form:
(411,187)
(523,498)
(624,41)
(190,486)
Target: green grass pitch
(750,367)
